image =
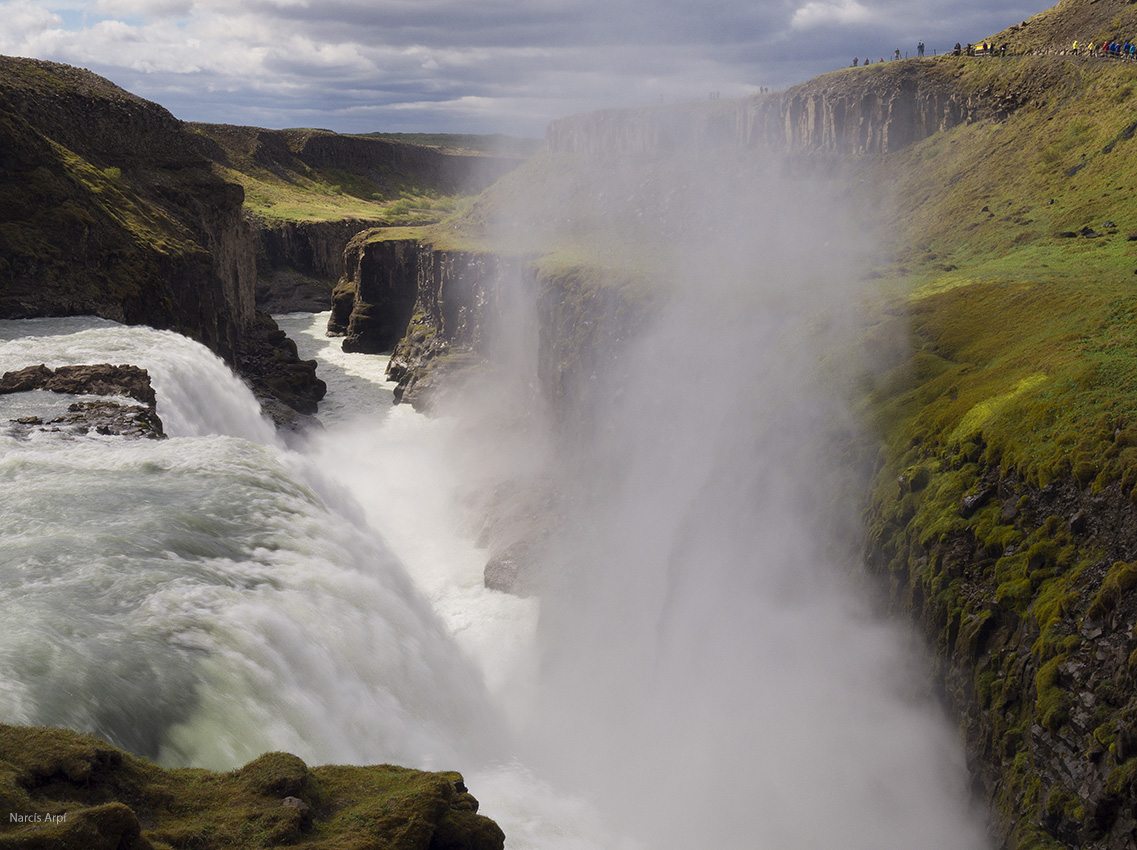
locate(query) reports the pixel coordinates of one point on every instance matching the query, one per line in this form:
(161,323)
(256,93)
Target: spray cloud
(712,672)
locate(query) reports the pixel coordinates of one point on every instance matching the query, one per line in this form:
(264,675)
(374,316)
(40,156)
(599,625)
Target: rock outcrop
(375,299)
(108,208)
(105,416)
(75,792)
(431,308)
(101,379)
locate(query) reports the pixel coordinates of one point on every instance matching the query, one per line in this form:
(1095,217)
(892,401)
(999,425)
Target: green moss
(1121,578)
(93,791)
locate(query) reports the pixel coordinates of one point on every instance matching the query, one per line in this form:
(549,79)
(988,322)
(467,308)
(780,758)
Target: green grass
(999,191)
(465,143)
(303,198)
(281,186)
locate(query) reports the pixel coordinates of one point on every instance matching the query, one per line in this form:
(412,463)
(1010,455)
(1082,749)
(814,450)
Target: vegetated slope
(1003,514)
(317,175)
(1055,30)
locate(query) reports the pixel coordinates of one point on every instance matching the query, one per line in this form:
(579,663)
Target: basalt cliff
(107,208)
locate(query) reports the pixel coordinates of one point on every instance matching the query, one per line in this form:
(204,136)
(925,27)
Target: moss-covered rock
(66,791)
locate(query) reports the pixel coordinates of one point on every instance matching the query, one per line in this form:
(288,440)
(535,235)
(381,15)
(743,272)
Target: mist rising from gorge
(712,671)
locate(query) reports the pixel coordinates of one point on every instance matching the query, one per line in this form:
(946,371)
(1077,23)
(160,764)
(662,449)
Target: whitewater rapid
(692,677)
(209,597)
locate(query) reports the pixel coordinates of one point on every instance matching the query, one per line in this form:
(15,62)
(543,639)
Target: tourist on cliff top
(920,50)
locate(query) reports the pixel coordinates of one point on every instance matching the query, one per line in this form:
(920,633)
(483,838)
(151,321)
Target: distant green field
(494,143)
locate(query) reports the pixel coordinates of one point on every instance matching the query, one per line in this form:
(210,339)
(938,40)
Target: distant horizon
(444,66)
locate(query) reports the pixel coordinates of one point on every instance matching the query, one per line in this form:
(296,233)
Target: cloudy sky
(476,66)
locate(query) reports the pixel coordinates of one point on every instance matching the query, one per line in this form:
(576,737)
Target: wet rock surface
(100,379)
(1045,691)
(101,416)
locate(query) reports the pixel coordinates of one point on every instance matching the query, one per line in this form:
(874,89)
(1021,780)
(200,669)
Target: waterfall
(206,598)
(696,673)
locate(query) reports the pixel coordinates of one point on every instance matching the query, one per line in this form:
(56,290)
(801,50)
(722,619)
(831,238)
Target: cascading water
(208,597)
(699,675)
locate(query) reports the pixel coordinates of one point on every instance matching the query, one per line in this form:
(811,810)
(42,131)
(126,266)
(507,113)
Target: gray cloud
(461,66)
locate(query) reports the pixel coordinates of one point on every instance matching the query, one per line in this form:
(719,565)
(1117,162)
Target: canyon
(1015,564)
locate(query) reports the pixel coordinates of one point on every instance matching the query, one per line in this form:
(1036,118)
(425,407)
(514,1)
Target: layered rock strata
(849,112)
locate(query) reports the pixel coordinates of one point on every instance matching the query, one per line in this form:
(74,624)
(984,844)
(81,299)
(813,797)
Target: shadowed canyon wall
(108,208)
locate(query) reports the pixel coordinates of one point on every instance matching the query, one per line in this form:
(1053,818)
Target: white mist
(711,670)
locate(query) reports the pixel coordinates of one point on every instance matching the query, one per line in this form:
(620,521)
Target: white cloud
(820,13)
(23,21)
(346,64)
(144,8)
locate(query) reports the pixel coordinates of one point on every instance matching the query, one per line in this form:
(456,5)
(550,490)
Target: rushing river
(208,597)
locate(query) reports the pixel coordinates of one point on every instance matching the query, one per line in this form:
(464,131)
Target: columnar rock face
(374,300)
(299,262)
(430,308)
(848,112)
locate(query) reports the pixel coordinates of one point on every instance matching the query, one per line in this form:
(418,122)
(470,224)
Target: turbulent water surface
(695,674)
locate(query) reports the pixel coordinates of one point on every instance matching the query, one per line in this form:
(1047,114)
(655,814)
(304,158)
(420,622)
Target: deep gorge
(1017,580)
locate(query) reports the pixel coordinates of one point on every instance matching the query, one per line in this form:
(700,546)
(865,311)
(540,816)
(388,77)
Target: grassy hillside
(281,185)
(1002,514)
(1011,244)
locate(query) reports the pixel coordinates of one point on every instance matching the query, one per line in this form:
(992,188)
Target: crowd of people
(1122,50)
(1117,49)
(984,49)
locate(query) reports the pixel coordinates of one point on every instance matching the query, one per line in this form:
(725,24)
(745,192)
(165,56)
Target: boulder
(103,416)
